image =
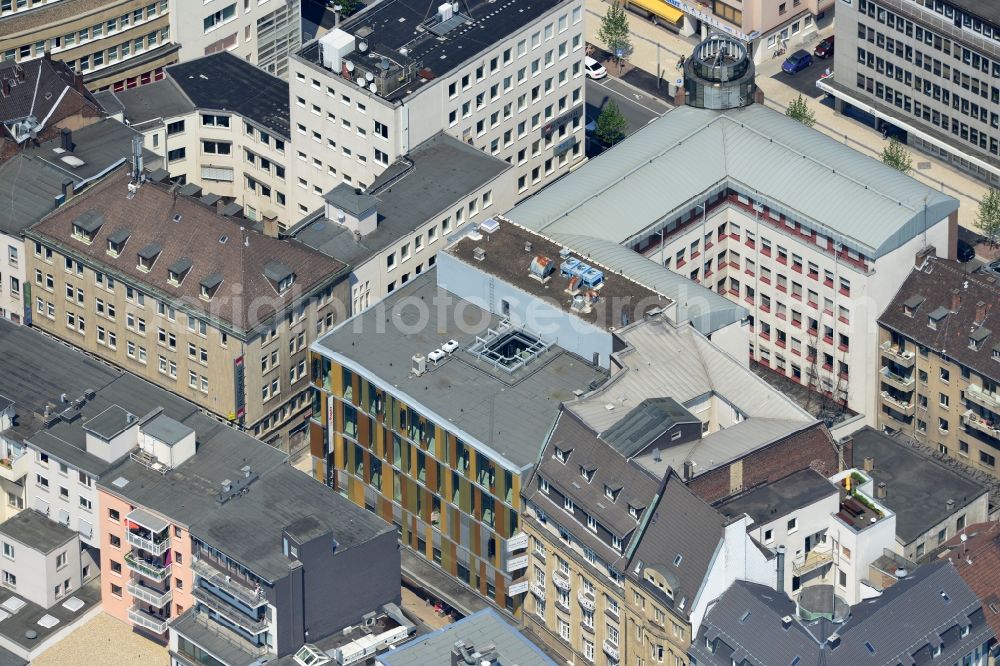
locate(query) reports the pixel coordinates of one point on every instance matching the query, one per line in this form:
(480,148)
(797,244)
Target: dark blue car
(796,62)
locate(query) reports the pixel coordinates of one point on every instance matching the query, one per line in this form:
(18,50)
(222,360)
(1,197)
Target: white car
(594,69)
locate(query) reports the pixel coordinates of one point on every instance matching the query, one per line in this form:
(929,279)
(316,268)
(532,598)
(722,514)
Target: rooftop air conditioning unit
(436,355)
(478,254)
(450,346)
(419,364)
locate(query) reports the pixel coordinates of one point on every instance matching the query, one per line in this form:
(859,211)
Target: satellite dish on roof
(384,64)
(372,87)
(369,76)
(362,46)
(350,66)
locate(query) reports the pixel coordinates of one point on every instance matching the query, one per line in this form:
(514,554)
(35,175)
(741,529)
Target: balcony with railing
(219,606)
(147,532)
(561,580)
(904,407)
(990,427)
(587,600)
(14,465)
(814,559)
(153,569)
(230,583)
(896,380)
(611,650)
(537,589)
(151,595)
(987,399)
(225,633)
(898,355)
(154,623)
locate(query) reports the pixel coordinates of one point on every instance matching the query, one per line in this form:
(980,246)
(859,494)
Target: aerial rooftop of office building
(407,43)
(432,177)
(665,360)
(516,255)
(779,498)
(689,153)
(510,410)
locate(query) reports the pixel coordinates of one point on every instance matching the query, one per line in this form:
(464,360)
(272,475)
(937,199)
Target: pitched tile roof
(932,292)
(978,563)
(167,228)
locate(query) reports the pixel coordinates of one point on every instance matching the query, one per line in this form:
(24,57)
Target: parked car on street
(824,49)
(594,69)
(796,62)
(965,252)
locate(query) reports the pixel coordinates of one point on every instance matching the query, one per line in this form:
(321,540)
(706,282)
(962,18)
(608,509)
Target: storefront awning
(661,9)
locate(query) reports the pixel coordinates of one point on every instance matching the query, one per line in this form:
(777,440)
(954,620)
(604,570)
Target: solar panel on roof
(446,26)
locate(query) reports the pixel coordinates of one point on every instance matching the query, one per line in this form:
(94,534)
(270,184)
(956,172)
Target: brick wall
(813,447)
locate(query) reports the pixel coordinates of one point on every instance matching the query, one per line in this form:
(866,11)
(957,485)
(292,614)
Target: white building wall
(333,120)
(262,32)
(77,507)
(12,262)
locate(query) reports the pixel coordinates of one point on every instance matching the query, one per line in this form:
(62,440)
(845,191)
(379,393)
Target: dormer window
(617,544)
(561,456)
(634,511)
(911,304)
(209,286)
(587,472)
(178,270)
(116,242)
(148,256)
(611,493)
(280,275)
(543,485)
(978,337)
(86,226)
(935,317)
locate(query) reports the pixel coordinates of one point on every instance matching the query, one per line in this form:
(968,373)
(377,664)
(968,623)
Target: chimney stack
(951,505)
(869,463)
(688,471)
(981,310)
(66,137)
(881,490)
(956,300)
(921,256)
(67,189)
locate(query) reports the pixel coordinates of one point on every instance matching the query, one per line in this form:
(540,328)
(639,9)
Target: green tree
(896,156)
(611,124)
(988,215)
(349,7)
(615,34)
(799,110)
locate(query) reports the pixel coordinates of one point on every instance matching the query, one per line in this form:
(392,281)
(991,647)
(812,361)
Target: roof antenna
(137,176)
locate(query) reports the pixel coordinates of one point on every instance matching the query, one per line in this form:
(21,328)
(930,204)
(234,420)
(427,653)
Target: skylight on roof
(120,482)
(870,647)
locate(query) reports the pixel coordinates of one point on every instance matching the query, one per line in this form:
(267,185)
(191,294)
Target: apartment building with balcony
(810,264)
(928,68)
(826,535)
(506,79)
(200,120)
(41,586)
(933,501)
(35,181)
(119,45)
(929,616)
(164,286)
(393,231)
(261,33)
(240,556)
(938,371)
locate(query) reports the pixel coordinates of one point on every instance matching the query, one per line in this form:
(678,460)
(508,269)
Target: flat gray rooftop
(510,414)
(774,500)
(441,171)
(31,528)
(167,430)
(154,101)
(478,630)
(14,627)
(918,487)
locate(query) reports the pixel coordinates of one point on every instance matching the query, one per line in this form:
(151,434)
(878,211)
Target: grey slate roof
(645,423)
(926,608)
(680,541)
(480,629)
(31,528)
(918,488)
(350,199)
(153,101)
(30,181)
(224,82)
(686,153)
(779,498)
(110,423)
(167,430)
(437,173)
(462,394)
